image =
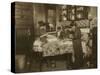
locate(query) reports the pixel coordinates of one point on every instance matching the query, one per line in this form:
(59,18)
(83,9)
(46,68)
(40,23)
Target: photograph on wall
(53,37)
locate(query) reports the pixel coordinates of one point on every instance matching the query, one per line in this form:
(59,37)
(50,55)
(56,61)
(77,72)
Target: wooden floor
(49,64)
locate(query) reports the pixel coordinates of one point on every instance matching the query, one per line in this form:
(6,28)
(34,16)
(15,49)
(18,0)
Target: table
(56,51)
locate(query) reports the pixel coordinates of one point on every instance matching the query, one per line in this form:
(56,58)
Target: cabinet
(23,26)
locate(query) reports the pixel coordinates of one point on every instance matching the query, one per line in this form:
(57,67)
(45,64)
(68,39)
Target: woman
(77,46)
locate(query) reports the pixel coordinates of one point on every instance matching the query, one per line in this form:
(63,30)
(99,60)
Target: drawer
(20,26)
(21,12)
(28,6)
(23,17)
(21,32)
(23,21)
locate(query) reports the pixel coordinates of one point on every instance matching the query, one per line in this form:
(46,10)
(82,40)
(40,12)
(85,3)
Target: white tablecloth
(57,47)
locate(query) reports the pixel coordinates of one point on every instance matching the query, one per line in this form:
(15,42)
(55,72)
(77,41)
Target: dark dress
(78,52)
(94,47)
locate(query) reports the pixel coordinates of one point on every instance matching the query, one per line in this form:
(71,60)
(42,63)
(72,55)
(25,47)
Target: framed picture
(53,37)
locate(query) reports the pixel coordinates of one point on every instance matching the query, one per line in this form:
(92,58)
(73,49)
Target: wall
(38,15)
